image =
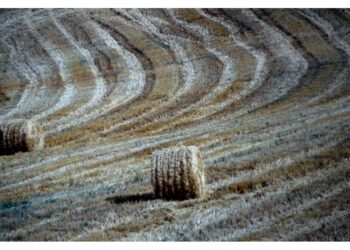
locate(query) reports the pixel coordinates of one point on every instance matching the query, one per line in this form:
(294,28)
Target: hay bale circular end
(20,135)
(178,173)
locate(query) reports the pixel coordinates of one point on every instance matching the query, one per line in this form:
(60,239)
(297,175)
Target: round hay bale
(178,173)
(20,135)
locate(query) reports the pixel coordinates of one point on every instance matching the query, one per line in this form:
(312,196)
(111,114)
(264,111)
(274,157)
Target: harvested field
(264,95)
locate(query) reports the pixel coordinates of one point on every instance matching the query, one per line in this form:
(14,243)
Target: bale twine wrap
(20,135)
(178,173)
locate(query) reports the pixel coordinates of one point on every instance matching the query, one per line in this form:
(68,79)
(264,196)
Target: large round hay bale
(178,173)
(20,135)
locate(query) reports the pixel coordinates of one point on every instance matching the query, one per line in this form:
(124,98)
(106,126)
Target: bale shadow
(147,196)
(119,199)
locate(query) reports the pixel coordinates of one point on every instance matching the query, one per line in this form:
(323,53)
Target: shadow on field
(119,199)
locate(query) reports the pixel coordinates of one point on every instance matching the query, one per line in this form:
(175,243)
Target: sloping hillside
(264,94)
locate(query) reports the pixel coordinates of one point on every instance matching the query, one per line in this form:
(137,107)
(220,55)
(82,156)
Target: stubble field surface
(264,94)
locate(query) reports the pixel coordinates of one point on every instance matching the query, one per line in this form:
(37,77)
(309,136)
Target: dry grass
(264,94)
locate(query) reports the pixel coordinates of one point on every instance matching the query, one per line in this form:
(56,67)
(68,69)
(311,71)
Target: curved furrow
(263,93)
(35,70)
(187,69)
(127,120)
(269,105)
(131,86)
(98,92)
(29,88)
(57,56)
(134,85)
(239,112)
(159,118)
(330,60)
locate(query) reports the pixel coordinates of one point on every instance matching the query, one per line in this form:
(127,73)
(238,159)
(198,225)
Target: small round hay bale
(178,173)
(20,135)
